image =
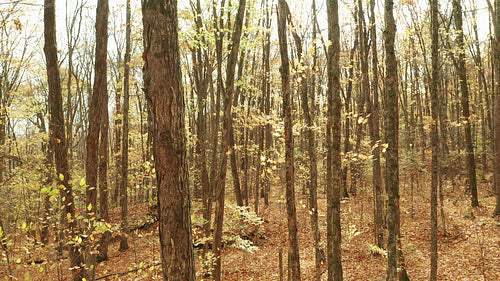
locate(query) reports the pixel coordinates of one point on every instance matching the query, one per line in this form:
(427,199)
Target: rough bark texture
(293,250)
(462,76)
(124,150)
(434,135)
(391,135)
(334,164)
(227,103)
(163,85)
(57,135)
(497,107)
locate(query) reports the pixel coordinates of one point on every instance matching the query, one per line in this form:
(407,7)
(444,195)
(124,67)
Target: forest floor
(470,250)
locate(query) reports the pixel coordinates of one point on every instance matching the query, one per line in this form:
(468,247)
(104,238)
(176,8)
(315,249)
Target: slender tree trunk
(462,74)
(227,103)
(57,135)
(334,164)
(375,135)
(202,74)
(434,135)
(125,129)
(395,262)
(118,139)
(163,86)
(496,212)
(293,250)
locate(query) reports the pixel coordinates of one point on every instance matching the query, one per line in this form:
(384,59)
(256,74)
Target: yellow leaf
(18,260)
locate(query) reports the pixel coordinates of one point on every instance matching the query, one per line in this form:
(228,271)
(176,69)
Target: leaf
(82,182)
(89,207)
(18,261)
(61,177)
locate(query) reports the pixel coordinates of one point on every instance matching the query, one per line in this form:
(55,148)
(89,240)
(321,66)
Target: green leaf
(61,177)
(89,207)
(82,182)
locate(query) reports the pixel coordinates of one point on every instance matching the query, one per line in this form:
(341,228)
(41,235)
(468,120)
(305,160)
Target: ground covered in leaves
(469,250)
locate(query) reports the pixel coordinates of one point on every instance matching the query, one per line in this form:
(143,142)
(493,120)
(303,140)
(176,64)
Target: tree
(293,251)
(334,164)
(227,107)
(395,263)
(462,76)
(434,135)
(164,91)
(95,121)
(57,135)
(125,129)
(497,106)
(374,124)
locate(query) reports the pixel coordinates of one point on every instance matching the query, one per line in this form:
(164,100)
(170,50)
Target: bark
(462,75)
(164,91)
(293,250)
(57,135)
(334,164)
(395,262)
(94,128)
(434,135)
(496,212)
(227,103)
(125,129)
(118,139)
(375,135)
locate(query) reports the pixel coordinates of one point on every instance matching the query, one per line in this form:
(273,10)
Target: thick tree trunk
(163,86)
(57,135)
(334,164)
(293,250)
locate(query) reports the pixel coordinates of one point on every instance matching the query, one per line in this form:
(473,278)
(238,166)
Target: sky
(34,13)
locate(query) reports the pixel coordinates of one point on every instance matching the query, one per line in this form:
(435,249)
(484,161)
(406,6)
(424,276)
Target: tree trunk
(57,135)
(95,121)
(462,75)
(163,86)
(395,262)
(293,250)
(125,129)
(497,107)
(227,103)
(434,135)
(375,135)
(334,164)
(118,138)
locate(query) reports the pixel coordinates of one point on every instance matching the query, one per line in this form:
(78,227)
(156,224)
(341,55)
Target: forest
(249,140)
